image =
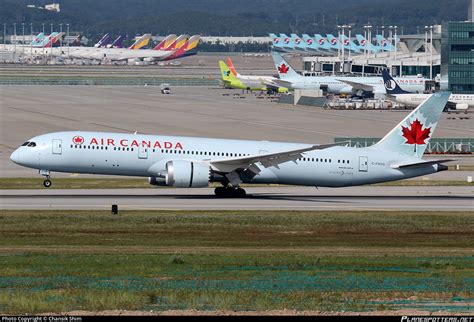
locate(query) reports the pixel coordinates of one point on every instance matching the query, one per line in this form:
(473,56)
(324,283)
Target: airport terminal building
(460,57)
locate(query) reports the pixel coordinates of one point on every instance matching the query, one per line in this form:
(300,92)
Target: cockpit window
(25,144)
(32,144)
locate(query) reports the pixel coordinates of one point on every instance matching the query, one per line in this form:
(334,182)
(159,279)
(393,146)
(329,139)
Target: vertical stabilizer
(284,69)
(412,135)
(141,42)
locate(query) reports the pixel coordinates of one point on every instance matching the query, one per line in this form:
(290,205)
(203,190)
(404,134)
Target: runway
(259,198)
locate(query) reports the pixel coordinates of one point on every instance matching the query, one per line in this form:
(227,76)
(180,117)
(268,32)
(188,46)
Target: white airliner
(361,86)
(195,162)
(458,102)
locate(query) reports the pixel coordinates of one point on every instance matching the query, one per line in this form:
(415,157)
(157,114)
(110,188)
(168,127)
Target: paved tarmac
(259,198)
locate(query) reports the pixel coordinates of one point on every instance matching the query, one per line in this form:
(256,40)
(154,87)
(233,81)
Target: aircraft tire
(47,183)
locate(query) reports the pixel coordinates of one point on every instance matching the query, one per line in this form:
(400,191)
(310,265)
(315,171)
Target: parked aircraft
(459,102)
(141,42)
(117,54)
(41,40)
(267,81)
(195,162)
(166,42)
(384,43)
(253,83)
(371,48)
(104,41)
(360,86)
(117,43)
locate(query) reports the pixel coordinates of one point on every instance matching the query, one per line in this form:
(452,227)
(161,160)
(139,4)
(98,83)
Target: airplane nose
(15,156)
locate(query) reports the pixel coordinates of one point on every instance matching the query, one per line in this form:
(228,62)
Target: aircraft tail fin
(391,86)
(193,42)
(51,39)
(178,42)
(117,42)
(141,42)
(412,135)
(226,73)
(104,41)
(165,43)
(231,66)
(284,69)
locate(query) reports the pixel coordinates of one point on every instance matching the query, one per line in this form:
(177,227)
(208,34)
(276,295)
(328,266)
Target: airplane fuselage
(336,85)
(148,155)
(413,100)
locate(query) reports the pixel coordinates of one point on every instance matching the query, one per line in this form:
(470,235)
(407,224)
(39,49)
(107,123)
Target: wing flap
(410,165)
(358,86)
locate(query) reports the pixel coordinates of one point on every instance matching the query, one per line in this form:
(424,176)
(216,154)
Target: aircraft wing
(409,165)
(267,160)
(358,86)
(282,83)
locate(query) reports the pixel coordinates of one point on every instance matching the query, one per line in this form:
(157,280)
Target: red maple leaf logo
(78,140)
(416,134)
(283,69)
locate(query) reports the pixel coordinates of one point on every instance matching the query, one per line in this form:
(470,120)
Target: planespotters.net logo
(437,319)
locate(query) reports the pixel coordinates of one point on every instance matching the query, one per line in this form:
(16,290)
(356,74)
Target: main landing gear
(230,192)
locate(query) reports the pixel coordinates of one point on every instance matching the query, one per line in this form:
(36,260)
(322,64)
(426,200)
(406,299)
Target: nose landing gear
(46,183)
(230,192)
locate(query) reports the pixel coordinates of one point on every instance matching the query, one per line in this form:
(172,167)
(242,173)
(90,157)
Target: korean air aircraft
(459,102)
(277,43)
(195,162)
(361,86)
(384,43)
(363,42)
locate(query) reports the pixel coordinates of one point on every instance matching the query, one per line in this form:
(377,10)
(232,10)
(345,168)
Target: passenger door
(142,152)
(57,146)
(363,164)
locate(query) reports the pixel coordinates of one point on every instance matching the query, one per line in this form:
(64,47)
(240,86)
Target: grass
(59,261)
(142,183)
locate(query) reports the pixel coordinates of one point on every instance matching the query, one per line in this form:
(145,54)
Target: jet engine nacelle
(157,181)
(187,174)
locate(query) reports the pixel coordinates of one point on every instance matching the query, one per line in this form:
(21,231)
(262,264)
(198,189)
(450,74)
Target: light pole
(50,43)
(68,40)
(350,31)
(395,41)
(431,52)
(61,38)
(31,34)
(14,46)
(43,38)
(338,45)
(4,36)
(390,39)
(23,30)
(383,37)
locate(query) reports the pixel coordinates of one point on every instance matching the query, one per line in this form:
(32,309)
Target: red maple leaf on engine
(416,134)
(283,69)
